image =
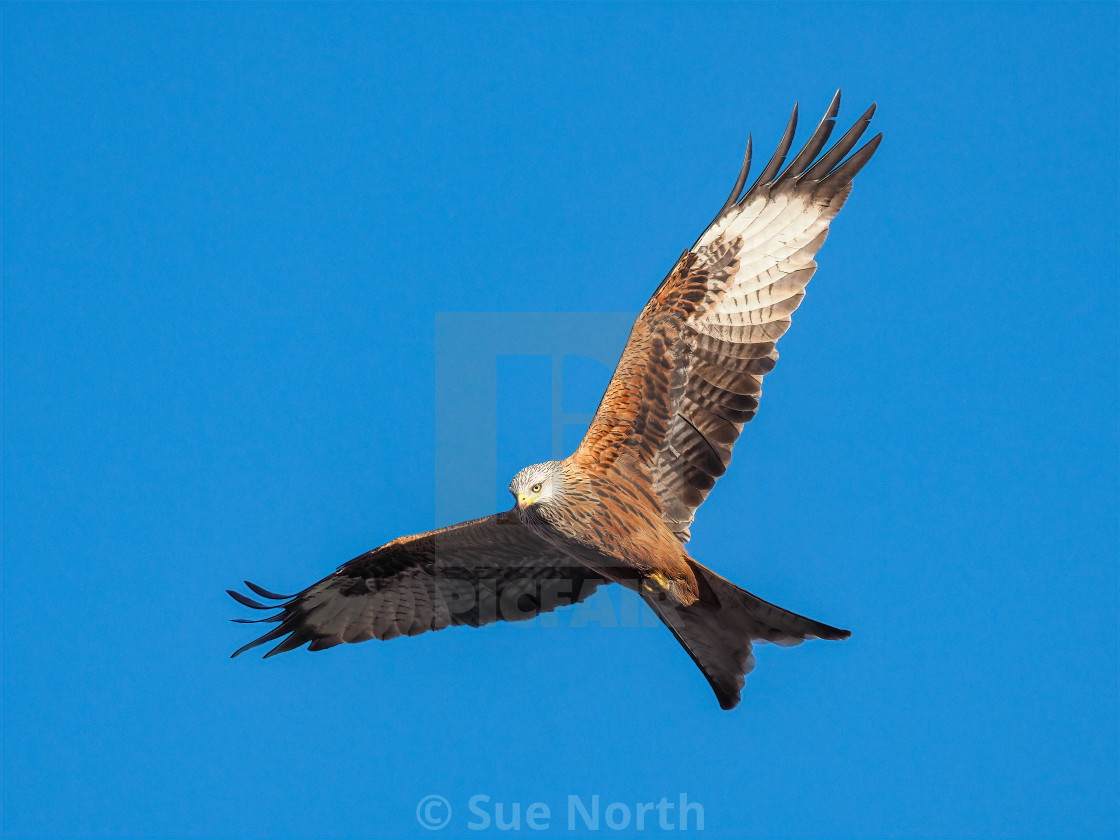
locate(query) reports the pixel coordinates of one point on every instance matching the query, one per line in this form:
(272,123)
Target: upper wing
(476,572)
(692,370)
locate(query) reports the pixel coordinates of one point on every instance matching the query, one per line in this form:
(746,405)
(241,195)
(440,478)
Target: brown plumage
(621,507)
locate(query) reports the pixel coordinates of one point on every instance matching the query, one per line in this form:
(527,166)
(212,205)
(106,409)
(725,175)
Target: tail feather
(718,631)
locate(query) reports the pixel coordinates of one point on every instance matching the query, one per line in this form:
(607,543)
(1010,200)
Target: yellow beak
(526,499)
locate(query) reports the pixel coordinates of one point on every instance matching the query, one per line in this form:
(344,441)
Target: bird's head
(537,485)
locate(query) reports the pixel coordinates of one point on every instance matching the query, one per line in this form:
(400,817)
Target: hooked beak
(526,499)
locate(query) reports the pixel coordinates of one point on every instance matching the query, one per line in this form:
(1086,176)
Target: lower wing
(473,573)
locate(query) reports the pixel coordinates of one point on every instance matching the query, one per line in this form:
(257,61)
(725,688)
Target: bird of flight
(619,509)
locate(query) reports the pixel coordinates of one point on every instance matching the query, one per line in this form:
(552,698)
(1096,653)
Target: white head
(537,485)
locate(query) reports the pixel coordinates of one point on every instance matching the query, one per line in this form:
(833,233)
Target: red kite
(619,509)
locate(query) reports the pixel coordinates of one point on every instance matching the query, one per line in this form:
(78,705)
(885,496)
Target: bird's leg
(665,588)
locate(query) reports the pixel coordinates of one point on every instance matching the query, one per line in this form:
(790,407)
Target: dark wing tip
(816,141)
(246,601)
(831,168)
(843,174)
(740,181)
(775,164)
(284,617)
(835,155)
(244,648)
(297,636)
(275,633)
(264,593)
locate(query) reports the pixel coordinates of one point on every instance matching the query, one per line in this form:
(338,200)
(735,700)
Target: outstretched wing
(691,373)
(474,573)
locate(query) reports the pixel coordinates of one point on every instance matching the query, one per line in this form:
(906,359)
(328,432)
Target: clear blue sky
(227,231)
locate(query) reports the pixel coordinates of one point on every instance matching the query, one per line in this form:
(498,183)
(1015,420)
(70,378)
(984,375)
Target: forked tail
(719,630)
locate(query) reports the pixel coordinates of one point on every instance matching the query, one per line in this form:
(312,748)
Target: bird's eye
(536,488)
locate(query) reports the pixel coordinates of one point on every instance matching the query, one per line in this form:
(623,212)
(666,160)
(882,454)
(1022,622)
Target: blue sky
(227,231)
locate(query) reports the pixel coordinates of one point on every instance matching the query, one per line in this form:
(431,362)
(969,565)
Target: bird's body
(620,508)
(607,522)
